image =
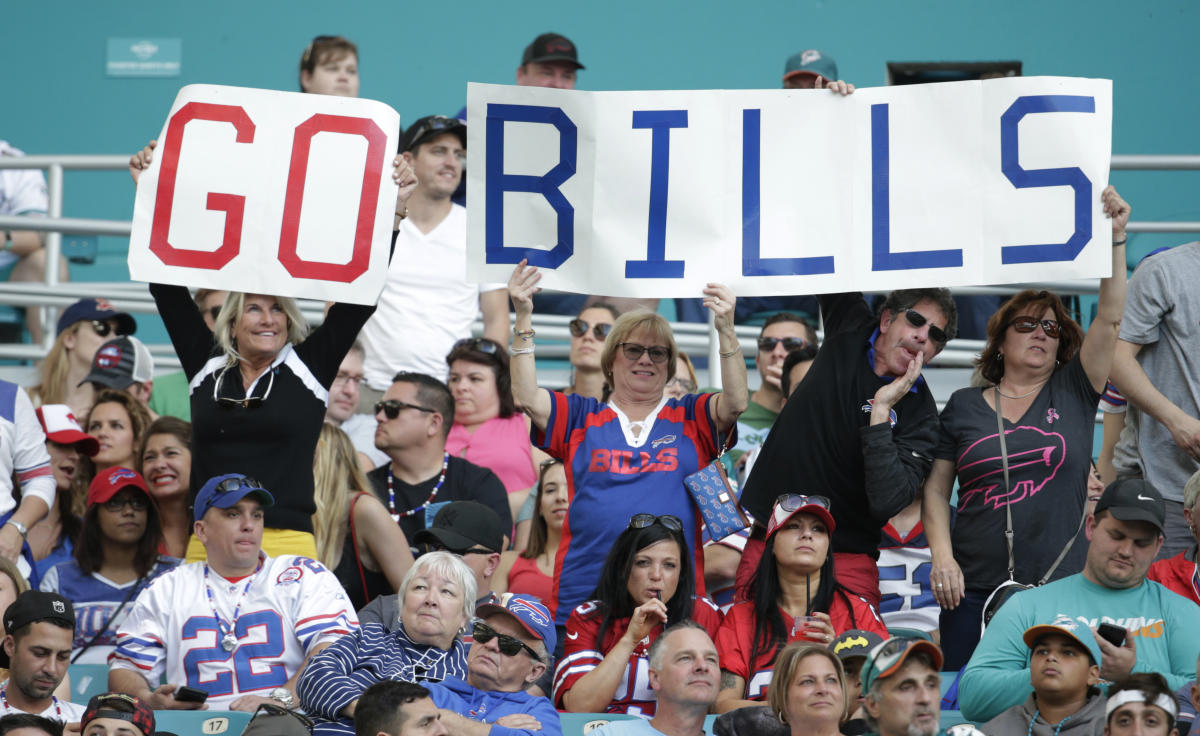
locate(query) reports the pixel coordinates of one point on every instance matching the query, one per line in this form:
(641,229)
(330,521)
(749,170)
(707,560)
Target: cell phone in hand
(185,694)
(1112,633)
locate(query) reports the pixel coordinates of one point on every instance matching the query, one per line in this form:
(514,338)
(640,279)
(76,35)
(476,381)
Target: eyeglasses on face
(767,344)
(916,319)
(116,505)
(633,351)
(391,408)
(792,501)
(670,521)
(688,385)
(578,328)
(343,377)
(1026,324)
(510,646)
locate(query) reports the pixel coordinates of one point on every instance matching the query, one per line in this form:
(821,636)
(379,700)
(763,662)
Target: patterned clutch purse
(715,498)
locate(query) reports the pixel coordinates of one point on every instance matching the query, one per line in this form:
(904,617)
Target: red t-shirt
(581,655)
(735,640)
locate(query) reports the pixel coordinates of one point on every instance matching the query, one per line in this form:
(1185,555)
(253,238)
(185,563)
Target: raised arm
(594,691)
(1096,353)
(535,401)
(734,396)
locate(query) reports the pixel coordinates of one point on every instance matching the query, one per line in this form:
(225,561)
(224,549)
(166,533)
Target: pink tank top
(501,446)
(525,577)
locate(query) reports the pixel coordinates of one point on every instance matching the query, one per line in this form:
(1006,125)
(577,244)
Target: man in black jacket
(861,427)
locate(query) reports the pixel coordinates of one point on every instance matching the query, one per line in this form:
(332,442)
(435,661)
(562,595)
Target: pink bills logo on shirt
(868,407)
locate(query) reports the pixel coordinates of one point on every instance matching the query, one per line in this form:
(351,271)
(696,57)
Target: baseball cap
(120,363)
(89,309)
(1133,499)
(1068,627)
(889,656)
(224,491)
(460,525)
(551,47)
(529,612)
(33,606)
(108,483)
(61,426)
(429,127)
(811,61)
(854,643)
(790,504)
(121,707)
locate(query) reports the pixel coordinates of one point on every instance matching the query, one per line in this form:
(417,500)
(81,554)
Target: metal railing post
(53,246)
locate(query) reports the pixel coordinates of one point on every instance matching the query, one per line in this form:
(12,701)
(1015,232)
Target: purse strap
(1008,530)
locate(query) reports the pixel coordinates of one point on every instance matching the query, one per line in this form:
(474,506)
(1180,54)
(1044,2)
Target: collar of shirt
(887,379)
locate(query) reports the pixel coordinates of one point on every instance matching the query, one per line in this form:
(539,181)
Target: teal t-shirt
(1166,627)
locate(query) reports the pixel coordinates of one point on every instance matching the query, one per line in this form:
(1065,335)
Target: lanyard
(228,637)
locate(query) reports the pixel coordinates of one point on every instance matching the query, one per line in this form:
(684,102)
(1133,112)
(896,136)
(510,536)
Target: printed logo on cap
(109,356)
(810,56)
(121,474)
(105,305)
(518,605)
(559,45)
(59,607)
(854,641)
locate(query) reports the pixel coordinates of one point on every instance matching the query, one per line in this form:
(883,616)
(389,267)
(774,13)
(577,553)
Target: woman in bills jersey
(793,597)
(646,585)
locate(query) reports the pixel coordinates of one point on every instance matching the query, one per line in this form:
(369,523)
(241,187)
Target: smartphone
(185,694)
(1112,633)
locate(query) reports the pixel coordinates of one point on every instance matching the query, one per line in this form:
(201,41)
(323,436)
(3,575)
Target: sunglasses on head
(916,319)
(578,328)
(634,351)
(391,408)
(510,646)
(478,344)
(433,125)
(229,485)
(1029,324)
(767,344)
(792,501)
(641,521)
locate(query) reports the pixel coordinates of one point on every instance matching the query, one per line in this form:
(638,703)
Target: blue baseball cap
(529,612)
(226,490)
(98,309)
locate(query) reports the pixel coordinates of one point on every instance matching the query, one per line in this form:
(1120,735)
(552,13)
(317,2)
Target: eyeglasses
(578,327)
(633,351)
(250,402)
(1029,324)
(670,521)
(103,329)
(478,344)
(340,377)
(213,312)
(391,408)
(767,344)
(510,646)
(116,505)
(916,319)
(791,501)
(688,385)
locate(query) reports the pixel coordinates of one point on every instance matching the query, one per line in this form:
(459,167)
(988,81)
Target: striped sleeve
(581,652)
(324,613)
(31,461)
(140,637)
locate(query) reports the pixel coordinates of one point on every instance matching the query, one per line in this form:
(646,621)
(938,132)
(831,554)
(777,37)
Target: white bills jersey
(292,604)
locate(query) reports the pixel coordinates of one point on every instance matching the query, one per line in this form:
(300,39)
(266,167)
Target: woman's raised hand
(522,285)
(645,617)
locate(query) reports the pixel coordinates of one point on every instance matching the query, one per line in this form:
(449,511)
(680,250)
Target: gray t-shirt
(1049,456)
(1162,314)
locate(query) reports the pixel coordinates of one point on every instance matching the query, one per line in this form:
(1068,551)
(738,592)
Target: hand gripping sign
(269,192)
(791,191)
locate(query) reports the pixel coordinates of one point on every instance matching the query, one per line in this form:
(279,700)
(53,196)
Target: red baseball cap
(790,504)
(107,483)
(61,426)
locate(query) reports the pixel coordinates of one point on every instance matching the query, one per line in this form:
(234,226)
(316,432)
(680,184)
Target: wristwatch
(284,696)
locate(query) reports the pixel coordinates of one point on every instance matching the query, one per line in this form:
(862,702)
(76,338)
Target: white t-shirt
(63,711)
(22,192)
(427,304)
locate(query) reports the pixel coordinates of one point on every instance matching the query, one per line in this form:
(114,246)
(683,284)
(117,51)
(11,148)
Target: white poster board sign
(790,191)
(269,192)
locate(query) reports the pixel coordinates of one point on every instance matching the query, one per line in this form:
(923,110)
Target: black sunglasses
(104,329)
(510,646)
(791,501)
(767,344)
(670,521)
(391,408)
(250,402)
(916,319)
(429,125)
(213,312)
(633,351)
(1029,324)
(478,344)
(578,327)
(229,485)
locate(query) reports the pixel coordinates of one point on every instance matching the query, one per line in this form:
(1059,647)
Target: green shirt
(170,397)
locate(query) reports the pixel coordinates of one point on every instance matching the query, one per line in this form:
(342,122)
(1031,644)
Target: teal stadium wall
(418,57)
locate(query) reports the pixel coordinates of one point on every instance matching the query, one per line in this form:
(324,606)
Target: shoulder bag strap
(1008,528)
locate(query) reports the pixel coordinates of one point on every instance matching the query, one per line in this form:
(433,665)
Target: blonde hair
(338,478)
(626,325)
(784,673)
(231,311)
(52,389)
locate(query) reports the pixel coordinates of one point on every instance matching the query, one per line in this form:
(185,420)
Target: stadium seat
(197,722)
(87,680)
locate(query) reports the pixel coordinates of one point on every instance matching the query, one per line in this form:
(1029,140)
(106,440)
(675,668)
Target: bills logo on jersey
(290,575)
(868,407)
(668,440)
